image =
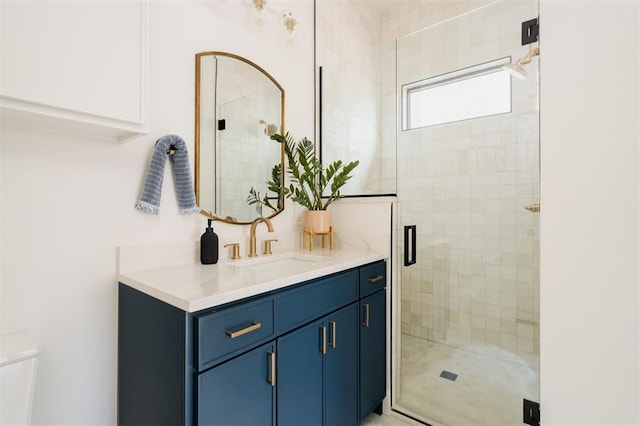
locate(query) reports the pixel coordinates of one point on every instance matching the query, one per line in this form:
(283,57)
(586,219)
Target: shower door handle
(409,252)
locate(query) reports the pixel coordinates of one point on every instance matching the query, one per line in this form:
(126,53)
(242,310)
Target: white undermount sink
(286,261)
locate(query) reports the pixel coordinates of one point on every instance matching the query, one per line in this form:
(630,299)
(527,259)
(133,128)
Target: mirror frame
(212,215)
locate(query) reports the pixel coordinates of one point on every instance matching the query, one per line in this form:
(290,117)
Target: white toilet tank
(18,362)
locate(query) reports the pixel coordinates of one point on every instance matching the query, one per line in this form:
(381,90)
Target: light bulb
(259,6)
(289,24)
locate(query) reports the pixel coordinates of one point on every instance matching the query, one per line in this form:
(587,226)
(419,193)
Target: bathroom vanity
(294,340)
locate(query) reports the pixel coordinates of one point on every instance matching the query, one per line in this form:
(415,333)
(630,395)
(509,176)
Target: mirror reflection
(238,107)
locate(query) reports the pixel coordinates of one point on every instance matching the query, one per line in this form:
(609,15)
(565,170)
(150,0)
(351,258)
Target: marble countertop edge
(194,287)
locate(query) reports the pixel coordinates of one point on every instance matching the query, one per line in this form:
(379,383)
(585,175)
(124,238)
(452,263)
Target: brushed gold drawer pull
(253,327)
(272,380)
(323,344)
(332,343)
(366,315)
(376,279)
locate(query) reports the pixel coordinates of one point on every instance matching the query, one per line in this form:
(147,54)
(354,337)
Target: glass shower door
(467,189)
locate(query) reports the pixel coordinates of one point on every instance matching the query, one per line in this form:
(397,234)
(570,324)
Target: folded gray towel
(150,200)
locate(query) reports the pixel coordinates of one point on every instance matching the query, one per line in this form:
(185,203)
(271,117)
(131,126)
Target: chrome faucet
(252,234)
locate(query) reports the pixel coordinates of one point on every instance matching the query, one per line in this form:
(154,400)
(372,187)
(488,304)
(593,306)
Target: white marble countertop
(193,287)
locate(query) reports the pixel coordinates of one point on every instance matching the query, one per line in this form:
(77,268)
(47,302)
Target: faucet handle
(235,250)
(267,245)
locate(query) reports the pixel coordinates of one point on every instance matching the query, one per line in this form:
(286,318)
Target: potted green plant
(311,184)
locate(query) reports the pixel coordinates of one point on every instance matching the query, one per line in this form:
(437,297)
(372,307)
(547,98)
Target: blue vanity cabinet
(372,353)
(373,332)
(240,391)
(236,383)
(212,367)
(300,376)
(307,354)
(318,371)
(318,323)
(341,367)
(154,348)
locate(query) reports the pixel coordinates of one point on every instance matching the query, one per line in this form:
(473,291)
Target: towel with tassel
(150,200)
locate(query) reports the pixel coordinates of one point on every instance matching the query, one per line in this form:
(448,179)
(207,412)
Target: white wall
(67,203)
(589,111)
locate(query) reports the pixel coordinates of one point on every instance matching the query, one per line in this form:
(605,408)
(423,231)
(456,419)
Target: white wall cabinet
(75,66)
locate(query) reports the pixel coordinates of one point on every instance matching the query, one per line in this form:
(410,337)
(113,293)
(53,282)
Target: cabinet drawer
(310,301)
(221,334)
(373,277)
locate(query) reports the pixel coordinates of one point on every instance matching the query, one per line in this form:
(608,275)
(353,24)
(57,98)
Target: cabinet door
(240,391)
(75,67)
(372,352)
(78,56)
(341,367)
(300,375)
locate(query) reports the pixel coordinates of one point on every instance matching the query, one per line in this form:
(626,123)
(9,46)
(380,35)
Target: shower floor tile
(487,391)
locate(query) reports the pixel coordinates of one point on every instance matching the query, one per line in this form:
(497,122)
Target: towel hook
(171,150)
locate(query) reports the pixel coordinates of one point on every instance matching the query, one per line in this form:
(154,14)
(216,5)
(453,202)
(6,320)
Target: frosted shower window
(473,92)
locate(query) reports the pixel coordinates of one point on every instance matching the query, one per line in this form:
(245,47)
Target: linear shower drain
(448,375)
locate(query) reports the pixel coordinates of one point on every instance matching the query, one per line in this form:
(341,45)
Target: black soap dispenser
(209,246)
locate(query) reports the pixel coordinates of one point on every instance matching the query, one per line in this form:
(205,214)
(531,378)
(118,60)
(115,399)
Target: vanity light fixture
(516,69)
(289,24)
(263,14)
(259,7)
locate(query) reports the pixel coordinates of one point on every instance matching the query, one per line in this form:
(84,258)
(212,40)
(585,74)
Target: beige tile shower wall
(464,185)
(349,53)
(403,17)
(351,119)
